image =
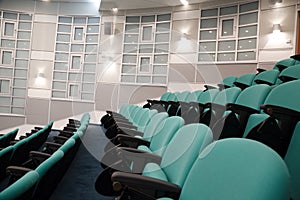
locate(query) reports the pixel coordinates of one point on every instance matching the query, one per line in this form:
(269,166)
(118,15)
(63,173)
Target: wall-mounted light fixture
(40,79)
(184,2)
(276,28)
(275,2)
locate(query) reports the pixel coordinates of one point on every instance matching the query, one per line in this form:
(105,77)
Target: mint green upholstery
(267,77)
(164,96)
(292,72)
(22,188)
(253,121)
(145,119)
(207,96)
(153,124)
(286,62)
(193,96)
(245,79)
(163,134)
(6,138)
(180,154)
(285,95)
(253,96)
(292,160)
(228,81)
(235,169)
(228,95)
(182,96)
(49,175)
(172,97)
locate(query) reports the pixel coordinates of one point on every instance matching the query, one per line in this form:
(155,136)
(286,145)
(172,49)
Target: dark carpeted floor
(78,182)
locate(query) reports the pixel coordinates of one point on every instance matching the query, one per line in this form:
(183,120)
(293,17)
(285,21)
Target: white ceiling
(131,4)
(138,4)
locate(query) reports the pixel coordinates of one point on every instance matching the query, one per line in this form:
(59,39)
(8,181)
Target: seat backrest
(292,160)
(208,96)
(164,96)
(153,124)
(183,96)
(145,119)
(5,155)
(254,96)
(228,81)
(285,63)
(268,77)
(235,169)
(290,73)
(244,81)
(164,133)
(172,97)
(22,188)
(8,137)
(285,95)
(19,148)
(228,95)
(183,149)
(193,96)
(48,172)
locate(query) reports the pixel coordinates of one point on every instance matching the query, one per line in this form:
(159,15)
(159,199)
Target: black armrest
(131,132)
(239,109)
(148,186)
(38,157)
(70,129)
(17,171)
(126,126)
(208,87)
(60,139)
(66,133)
(51,147)
(137,157)
(287,118)
(259,70)
(130,141)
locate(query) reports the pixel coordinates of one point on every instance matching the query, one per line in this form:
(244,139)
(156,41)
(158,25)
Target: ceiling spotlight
(184,2)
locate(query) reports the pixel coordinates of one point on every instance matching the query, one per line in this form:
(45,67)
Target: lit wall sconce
(276,28)
(40,79)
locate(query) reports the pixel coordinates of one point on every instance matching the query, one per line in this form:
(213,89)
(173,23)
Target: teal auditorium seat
(7,138)
(160,137)
(179,156)
(134,137)
(290,73)
(227,82)
(268,77)
(244,81)
(292,160)
(215,109)
(248,102)
(139,123)
(22,189)
(282,105)
(5,155)
(195,109)
(226,169)
(285,63)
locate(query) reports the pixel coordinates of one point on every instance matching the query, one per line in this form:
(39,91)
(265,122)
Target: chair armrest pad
(130,141)
(145,185)
(138,158)
(17,171)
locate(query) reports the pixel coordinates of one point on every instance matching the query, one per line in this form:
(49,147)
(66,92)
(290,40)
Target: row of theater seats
(7,138)
(37,175)
(152,154)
